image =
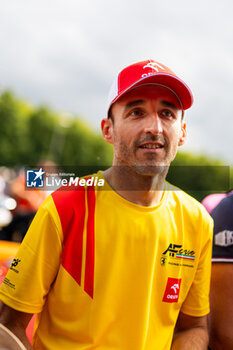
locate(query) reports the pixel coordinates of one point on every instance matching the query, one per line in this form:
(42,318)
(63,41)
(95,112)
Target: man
(125,267)
(221,292)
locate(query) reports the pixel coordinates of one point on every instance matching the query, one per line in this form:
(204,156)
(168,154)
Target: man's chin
(152,170)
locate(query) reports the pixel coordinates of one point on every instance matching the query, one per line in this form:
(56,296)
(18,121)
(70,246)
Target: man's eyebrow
(134,104)
(170,104)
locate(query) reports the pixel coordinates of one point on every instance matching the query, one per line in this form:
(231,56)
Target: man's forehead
(150,92)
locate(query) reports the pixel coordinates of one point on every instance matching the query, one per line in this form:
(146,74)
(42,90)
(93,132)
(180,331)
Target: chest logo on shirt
(175,254)
(172,291)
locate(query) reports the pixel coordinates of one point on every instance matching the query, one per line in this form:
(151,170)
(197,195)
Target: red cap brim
(174,83)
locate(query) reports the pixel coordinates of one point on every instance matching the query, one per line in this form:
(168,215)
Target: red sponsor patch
(172,290)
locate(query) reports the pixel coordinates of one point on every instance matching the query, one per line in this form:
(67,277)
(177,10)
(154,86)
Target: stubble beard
(149,167)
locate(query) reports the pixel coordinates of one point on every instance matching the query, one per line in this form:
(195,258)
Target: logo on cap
(154,65)
(172,290)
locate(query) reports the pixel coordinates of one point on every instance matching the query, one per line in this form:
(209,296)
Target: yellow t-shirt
(104,273)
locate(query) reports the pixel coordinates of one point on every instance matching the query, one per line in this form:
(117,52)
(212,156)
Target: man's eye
(168,114)
(137,113)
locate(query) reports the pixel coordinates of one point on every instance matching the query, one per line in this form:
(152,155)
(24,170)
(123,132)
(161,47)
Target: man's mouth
(151,146)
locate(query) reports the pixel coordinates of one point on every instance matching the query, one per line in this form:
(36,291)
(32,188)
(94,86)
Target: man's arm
(191,333)
(221,307)
(17,322)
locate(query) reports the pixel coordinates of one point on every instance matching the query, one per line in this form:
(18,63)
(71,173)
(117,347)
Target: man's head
(145,116)
(146,72)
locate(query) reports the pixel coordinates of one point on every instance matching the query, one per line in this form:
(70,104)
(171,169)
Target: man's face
(147,128)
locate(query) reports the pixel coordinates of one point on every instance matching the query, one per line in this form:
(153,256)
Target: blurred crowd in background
(17,205)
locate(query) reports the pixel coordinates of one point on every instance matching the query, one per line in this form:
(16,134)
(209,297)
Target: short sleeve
(36,264)
(197,300)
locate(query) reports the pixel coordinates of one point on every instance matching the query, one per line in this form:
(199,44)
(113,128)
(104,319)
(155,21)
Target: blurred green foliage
(29,134)
(200,175)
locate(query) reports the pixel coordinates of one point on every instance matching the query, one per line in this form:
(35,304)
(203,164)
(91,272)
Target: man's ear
(107,130)
(183,134)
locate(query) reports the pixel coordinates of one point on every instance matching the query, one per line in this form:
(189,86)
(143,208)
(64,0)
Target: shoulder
(68,197)
(72,204)
(188,204)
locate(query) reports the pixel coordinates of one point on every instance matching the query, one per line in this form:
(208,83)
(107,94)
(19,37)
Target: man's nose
(154,124)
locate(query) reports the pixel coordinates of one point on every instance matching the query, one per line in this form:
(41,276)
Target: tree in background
(28,135)
(40,127)
(200,175)
(13,133)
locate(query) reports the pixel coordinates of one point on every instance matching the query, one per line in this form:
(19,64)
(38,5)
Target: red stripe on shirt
(70,206)
(90,243)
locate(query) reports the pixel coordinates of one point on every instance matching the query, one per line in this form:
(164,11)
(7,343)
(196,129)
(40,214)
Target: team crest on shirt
(176,255)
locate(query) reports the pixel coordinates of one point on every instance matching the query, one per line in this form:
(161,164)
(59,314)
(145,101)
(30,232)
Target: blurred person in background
(28,202)
(213,199)
(221,291)
(220,320)
(7,203)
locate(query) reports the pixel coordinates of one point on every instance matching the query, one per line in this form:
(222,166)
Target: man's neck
(145,190)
